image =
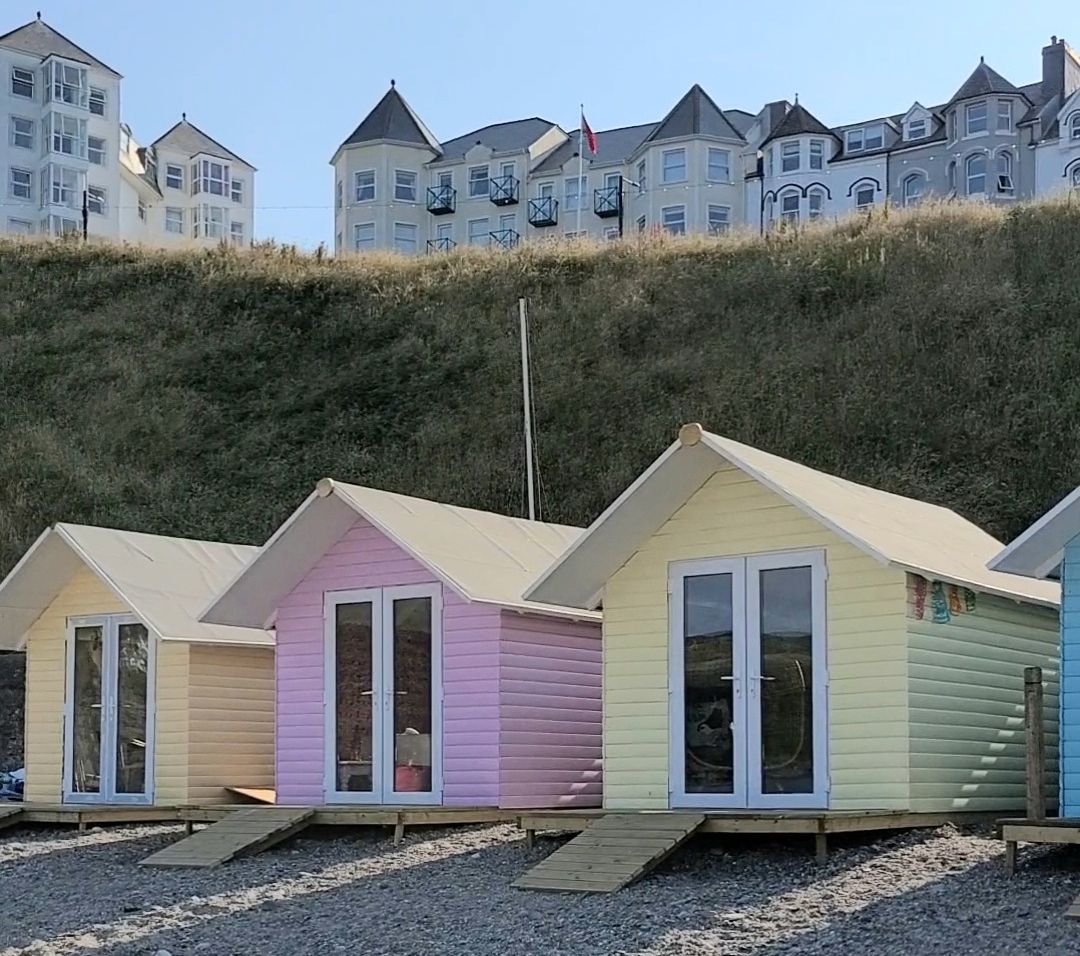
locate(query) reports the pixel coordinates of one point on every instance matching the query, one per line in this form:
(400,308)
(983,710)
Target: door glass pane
(133,657)
(86,742)
(787,702)
(709,705)
(353,696)
(412,695)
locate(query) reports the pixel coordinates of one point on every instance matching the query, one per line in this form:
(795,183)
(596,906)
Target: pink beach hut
(409,669)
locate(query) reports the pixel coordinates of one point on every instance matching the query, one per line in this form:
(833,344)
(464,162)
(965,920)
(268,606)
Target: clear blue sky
(284,88)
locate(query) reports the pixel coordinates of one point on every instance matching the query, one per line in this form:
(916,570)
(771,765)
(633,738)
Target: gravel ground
(447,892)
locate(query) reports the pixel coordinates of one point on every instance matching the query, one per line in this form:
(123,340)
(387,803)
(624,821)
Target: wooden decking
(242,833)
(10,814)
(1058,830)
(611,852)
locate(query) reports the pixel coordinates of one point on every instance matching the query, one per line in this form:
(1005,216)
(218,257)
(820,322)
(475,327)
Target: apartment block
(701,168)
(68,156)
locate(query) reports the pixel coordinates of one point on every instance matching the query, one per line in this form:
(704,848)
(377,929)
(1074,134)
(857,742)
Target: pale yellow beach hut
(130,699)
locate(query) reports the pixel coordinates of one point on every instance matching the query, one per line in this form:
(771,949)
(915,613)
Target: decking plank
(611,852)
(243,832)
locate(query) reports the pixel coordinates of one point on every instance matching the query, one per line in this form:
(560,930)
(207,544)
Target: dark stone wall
(12,696)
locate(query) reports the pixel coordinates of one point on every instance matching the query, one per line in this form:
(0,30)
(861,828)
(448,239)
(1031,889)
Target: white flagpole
(527,399)
(581,167)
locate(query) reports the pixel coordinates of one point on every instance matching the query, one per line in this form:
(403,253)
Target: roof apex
(392,119)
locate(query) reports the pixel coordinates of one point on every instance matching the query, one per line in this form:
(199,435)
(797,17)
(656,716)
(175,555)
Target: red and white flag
(588,134)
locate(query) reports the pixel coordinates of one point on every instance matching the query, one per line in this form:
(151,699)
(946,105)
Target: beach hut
(131,701)
(779,639)
(410,669)
(1050,550)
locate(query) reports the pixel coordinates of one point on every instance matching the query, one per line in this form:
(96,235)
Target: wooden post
(1036,752)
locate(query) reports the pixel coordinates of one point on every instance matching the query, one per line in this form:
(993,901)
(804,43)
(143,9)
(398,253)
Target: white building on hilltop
(701,169)
(67,155)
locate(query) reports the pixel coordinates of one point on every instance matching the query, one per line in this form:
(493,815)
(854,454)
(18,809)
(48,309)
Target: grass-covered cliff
(203,394)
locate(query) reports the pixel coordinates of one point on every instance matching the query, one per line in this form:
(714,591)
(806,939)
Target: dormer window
(865,137)
(976,118)
(916,128)
(790,157)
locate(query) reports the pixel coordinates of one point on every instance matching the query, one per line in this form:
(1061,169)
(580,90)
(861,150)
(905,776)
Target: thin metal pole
(581,169)
(527,400)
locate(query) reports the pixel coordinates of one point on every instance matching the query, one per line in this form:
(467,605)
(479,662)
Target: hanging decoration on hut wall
(936,600)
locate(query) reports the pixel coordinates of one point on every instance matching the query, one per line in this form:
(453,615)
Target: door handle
(736,682)
(763,677)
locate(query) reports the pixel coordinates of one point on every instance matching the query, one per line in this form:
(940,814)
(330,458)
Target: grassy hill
(934,354)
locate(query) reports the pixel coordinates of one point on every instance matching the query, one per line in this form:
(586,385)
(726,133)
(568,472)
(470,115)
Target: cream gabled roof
(485,557)
(903,532)
(165,581)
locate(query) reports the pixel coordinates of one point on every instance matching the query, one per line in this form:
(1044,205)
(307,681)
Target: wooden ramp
(9,814)
(241,833)
(611,852)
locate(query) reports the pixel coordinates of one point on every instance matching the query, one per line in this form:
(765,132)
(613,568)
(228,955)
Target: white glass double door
(748,682)
(109,711)
(383,695)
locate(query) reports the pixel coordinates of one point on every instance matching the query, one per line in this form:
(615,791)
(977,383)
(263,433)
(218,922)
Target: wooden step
(241,833)
(612,852)
(9,814)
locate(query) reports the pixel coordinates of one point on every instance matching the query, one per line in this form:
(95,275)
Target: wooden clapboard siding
(732,514)
(172,732)
(549,712)
(365,558)
(231,720)
(1070,680)
(84,594)
(966,679)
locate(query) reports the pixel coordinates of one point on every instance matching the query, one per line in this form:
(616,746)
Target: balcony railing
(441,200)
(442,244)
(503,190)
(607,201)
(507,238)
(544,211)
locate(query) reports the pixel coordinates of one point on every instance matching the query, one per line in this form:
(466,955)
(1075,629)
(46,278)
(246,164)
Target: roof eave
(1039,550)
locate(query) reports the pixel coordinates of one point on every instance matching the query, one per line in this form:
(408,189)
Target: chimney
(1053,68)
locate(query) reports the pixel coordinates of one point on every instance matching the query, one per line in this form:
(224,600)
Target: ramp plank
(9,815)
(241,833)
(612,852)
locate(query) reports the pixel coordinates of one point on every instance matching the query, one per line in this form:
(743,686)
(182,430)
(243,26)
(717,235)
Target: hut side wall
(1070,680)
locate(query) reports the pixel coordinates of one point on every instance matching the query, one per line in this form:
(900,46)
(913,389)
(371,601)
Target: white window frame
(102,201)
(969,175)
(97,96)
(236,232)
(361,188)
(91,150)
(444,230)
(611,232)
(476,190)
(362,244)
(208,222)
(724,164)
(669,172)
(718,219)
(790,156)
(142,210)
(1076,175)
(861,190)
(915,176)
(971,115)
(642,223)
(236,190)
(579,195)
(62,130)
(382,691)
(67,84)
(481,235)
(169,175)
(174,216)
(26,135)
(444,179)
(787,214)
(642,176)
(919,124)
(1003,174)
(817,154)
(819,195)
(396,239)
(404,190)
(339,196)
(110,631)
(667,220)
(1004,121)
(62,181)
(854,140)
(15,225)
(22,76)
(1074,126)
(874,133)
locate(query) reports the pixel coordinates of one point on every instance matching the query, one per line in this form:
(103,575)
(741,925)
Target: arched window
(975,169)
(1076,175)
(1004,172)
(1074,125)
(770,209)
(952,175)
(817,203)
(789,206)
(914,186)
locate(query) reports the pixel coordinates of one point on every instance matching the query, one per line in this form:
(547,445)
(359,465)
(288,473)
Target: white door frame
(382,694)
(815,560)
(747,677)
(677,573)
(110,674)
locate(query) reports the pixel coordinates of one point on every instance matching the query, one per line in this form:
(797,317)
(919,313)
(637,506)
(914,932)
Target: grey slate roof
(498,137)
(741,120)
(392,118)
(187,138)
(982,81)
(40,39)
(612,146)
(798,120)
(695,114)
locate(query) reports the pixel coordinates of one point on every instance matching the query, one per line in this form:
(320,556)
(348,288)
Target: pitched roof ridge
(38,23)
